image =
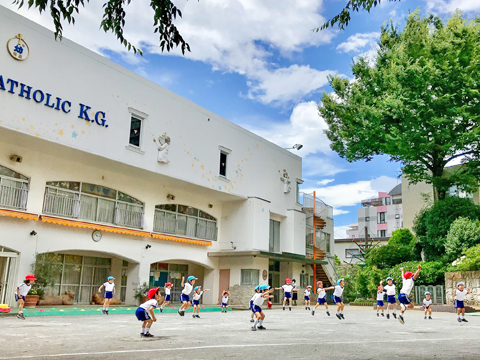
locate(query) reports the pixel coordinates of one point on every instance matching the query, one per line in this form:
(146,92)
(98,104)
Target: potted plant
(141,293)
(46,269)
(32,297)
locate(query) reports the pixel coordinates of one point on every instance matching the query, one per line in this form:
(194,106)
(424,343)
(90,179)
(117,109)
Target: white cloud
(448,6)
(305,127)
(238,36)
(340,212)
(358,42)
(325,181)
(340,232)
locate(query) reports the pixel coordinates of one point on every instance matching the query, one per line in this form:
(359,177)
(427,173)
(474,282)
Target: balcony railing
(92,209)
(189,227)
(321,209)
(13,197)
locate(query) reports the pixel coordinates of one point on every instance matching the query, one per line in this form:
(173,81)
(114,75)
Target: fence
(437,291)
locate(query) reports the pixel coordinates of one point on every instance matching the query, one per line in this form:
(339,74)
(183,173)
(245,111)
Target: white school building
(116,175)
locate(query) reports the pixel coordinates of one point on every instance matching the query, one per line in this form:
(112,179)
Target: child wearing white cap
(427,305)
(460,293)
(197,294)
(109,293)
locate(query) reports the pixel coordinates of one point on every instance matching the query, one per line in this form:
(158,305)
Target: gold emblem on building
(18,48)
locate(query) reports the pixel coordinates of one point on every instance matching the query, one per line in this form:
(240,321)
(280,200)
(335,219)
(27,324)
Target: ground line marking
(224,346)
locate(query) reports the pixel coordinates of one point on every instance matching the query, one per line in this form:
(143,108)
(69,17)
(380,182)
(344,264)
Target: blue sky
(259,65)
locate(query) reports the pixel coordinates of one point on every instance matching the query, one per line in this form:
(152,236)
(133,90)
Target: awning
(285,257)
(18,214)
(86,225)
(181,239)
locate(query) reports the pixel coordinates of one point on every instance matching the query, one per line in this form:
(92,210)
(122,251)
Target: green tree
(463,234)
(432,224)
(419,103)
(470,261)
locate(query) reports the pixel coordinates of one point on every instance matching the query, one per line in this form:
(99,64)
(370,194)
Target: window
(184,220)
(274,241)
(367,218)
(223,163)
(381,233)
(250,277)
(136,129)
(327,244)
(13,189)
(350,253)
(381,218)
(92,202)
(387,201)
(397,216)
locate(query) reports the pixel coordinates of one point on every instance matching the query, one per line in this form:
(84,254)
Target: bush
(38,291)
(432,224)
(400,248)
(463,234)
(141,291)
(470,261)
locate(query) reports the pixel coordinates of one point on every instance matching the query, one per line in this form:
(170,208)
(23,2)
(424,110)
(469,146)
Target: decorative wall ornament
(286,180)
(163,145)
(18,48)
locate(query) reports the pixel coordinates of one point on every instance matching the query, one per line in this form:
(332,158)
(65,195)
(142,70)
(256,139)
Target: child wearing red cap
(322,297)
(306,296)
(22,291)
(287,290)
(166,299)
(145,311)
(408,282)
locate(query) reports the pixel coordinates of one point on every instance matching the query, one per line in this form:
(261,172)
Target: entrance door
(7,276)
(224,283)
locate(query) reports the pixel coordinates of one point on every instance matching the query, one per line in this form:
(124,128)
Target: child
(380,298)
(427,305)
(257,310)
(109,292)
(196,300)
(295,292)
(287,289)
(225,296)
(391,291)
(408,282)
(166,299)
(251,302)
(460,293)
(337,298)
(145,311)
(322,297)
(306,297)
(22,291)
(185,296)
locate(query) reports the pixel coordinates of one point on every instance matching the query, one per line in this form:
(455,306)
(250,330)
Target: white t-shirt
(426,302)
(224,299)
(23,289)
(407,286)
(253,296)
(287,288)
(460,295)
(196,296)
(146,305)
(321,293)
(380,296)
(187,288)
(167,291)
(307,292)
(258,299)
(108,286)
(390,289)
(338,292)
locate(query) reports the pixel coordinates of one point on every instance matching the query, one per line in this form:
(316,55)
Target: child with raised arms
(185,295)
(306,296)
(427,305)
(145,312)
(225,296)
(408,283)
(287,293)
(197,294)
(167,297)
(337,298)
(251,303)
(322,297)
(257,307)
(460,293)
(391,291)
(21,292)
(109,293)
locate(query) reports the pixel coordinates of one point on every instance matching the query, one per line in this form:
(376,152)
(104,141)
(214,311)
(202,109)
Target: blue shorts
(459,304)
(322,301)
(379,303)
(403,298)
(167,298)
(196,302)
(336,299)
(224,304)
(391,299)
(251,304)
(426,307)
(288,295)
(256,309)
(108,295)
(18,298)
(306,298)
(185,298)
(142,314)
